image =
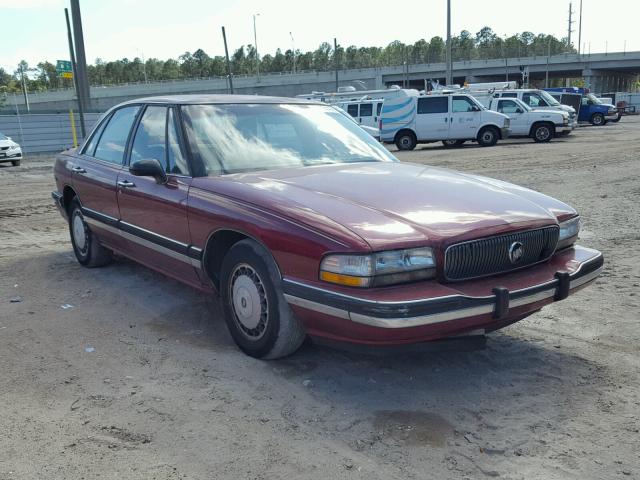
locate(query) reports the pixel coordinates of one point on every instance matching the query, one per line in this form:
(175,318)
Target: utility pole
(74,67)
(570,25)
(335,59)
(580,30)
(24,88)
(293,50)
(255,41)
(546,75)
(81,59)
(226,54)
(449,75)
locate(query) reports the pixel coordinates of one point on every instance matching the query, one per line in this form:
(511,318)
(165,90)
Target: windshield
(248,137)
(549,98)
(594,99)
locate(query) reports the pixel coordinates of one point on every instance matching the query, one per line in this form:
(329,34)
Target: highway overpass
(602,72)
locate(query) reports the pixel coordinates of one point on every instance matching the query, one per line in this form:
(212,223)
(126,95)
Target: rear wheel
(257,314)
(453,143)
(543,132)
(406,140)
(597,119)
(86,246)
(488,137)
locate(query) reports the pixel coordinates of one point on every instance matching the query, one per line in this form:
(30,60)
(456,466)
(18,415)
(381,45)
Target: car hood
(7,143)
(393,204)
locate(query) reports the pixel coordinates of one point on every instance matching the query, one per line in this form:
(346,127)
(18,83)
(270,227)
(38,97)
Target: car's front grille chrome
(502,253)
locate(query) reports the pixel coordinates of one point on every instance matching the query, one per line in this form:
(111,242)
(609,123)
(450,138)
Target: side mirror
(519,110)
(475,108)
(149,168)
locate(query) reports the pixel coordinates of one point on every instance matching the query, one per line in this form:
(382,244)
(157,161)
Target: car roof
(218,98)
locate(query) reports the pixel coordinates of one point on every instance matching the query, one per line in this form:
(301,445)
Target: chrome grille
(488,256)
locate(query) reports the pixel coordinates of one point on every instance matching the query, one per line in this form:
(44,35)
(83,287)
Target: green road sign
(63,66)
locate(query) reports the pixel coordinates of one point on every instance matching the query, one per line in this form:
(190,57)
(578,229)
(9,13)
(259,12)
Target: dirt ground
(120,373)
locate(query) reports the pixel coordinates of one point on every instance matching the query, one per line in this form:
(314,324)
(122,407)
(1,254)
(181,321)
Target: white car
(10,151)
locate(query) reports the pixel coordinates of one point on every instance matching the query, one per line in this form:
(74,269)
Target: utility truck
(540,125)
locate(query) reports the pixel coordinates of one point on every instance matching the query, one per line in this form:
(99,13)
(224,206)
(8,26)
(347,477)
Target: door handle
(78,170)
(126,184)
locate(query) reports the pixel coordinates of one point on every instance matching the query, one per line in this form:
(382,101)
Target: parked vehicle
(592,110)
(540,125)
(366,111)
(373,131)
(440,117)
(352,95)
(10,151)
(305,225)
(539,100)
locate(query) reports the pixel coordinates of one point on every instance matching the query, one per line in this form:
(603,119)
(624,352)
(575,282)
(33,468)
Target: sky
(34,30)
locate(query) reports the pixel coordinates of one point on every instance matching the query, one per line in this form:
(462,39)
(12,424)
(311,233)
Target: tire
(406,140)
(488,136)
(597,119)
(88,250)
(543,133)
(249,280)
(15,163)
(453,143)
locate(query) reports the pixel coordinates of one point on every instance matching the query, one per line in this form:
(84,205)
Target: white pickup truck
(540,125)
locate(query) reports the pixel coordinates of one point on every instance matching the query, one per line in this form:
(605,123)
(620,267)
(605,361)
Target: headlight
(568,233)
(379,269)
(507,122)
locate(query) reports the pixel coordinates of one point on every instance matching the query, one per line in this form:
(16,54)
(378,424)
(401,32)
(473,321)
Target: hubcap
(79,233)
(249,301)
(405,141)
(543,133)
(487,137)
(597,120)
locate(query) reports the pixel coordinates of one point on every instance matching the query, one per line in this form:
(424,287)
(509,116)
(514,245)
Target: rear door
(366,116)
(154,215)
(96,170)
(465,118)
(432,118)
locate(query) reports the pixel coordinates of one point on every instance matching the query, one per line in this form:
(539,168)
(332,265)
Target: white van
(365,112)
(451,118)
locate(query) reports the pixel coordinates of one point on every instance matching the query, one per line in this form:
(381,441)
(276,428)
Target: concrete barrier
(44,133)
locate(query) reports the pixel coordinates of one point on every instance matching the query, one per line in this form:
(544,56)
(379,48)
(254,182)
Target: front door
(96,171)
(432,118)
(519,118)
(465,118)
(154,215)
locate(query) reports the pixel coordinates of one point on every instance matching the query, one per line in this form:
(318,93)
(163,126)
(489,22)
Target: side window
(378,109)
(352,110)
(510,95)
(177,158)
(366,110)
(533,100)
(149,141)
(461,105)
(93,141)
(433,105)
(507,106)
(113,140)
(585,101)
(541,101)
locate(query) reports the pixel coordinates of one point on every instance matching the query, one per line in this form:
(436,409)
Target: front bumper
(562,128)
(612,115)
(10,155)
(453,309)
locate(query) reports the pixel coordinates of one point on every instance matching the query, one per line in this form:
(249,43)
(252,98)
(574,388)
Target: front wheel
(256,312)
(488,137)
(543,133)
(597,119)
(453,143)
(86,246)
(15,163)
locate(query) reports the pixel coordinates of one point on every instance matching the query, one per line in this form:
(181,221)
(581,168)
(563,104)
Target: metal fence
(44,133)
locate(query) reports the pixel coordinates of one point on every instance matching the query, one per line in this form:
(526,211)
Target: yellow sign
(66,75)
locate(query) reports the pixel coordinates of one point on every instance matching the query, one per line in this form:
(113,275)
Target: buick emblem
(516,252)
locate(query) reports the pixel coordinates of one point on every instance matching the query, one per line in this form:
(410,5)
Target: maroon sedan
(304,225)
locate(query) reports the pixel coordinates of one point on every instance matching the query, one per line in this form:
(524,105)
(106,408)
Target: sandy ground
(121,373)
